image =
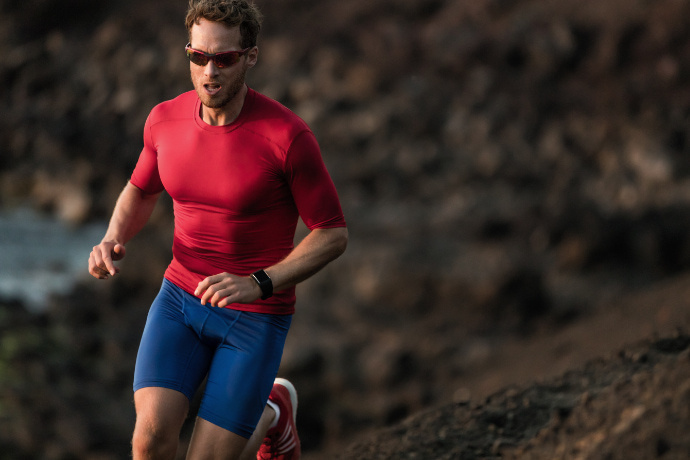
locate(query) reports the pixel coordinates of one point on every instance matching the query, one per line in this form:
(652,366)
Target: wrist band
(264,282)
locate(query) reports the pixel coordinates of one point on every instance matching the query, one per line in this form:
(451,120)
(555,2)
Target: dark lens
(197,58)
(226,59)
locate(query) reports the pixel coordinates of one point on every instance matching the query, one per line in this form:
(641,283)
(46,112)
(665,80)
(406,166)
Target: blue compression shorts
(183,341)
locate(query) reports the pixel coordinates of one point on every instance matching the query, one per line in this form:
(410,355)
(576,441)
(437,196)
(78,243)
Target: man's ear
(252,56)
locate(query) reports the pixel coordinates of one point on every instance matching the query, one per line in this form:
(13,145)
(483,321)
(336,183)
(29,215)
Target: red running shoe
(281,441)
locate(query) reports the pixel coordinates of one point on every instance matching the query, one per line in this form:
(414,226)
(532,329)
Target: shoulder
(272,119)
(180,107)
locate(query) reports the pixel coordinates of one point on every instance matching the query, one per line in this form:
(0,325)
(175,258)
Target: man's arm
(132,211)
(314,252)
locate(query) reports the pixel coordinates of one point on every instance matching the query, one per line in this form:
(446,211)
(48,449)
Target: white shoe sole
(293,395)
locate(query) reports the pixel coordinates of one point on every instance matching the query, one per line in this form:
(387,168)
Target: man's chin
(213,102)
(220,99)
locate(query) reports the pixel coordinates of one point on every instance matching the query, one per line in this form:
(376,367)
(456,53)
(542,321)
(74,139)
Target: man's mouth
(212,88)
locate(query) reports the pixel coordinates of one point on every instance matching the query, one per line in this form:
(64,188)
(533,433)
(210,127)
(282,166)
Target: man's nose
(211,68)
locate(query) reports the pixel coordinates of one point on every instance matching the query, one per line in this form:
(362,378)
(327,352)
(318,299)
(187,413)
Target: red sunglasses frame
(193,54)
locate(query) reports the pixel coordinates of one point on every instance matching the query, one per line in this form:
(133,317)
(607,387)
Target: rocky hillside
(509,170)
(631,406)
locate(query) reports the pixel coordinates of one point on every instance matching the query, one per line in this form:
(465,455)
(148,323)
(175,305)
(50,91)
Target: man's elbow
(340,242)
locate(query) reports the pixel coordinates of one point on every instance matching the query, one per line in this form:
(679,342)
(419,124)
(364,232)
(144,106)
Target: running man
(241,169)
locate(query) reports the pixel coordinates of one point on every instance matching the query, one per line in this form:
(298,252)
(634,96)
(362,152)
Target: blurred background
(507,168)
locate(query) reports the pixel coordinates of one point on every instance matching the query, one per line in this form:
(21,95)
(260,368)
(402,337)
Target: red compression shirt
(237,190)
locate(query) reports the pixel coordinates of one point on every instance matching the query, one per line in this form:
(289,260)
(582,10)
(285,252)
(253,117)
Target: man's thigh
(171,355)
(160,412)
(242,371)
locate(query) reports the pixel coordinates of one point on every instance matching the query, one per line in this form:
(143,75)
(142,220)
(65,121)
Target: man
(240,169)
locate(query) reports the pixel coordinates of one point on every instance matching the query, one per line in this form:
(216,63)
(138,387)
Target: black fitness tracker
(264,282)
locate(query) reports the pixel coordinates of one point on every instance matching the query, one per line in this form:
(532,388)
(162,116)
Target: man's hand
(101,260)
(223,289)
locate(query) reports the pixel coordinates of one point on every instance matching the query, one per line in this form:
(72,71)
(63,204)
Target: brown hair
(232,13)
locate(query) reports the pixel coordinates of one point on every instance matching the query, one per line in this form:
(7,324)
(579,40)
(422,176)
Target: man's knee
(160,415)
(152,443)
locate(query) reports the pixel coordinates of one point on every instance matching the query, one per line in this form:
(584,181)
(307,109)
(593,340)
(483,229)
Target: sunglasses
(221,60)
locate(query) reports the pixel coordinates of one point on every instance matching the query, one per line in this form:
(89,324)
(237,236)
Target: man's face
(217,87)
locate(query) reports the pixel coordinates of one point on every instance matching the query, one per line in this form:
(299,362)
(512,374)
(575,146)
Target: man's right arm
(132,211)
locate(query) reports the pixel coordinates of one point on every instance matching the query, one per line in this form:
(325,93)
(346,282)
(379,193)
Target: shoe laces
(271,450)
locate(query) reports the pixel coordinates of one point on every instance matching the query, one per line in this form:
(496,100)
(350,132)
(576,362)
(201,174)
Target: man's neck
(228,113)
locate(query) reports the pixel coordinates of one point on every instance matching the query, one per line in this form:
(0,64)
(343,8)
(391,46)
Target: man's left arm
(314,252)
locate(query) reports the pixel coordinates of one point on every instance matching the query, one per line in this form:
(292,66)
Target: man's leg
(170,355)
(160,415)
(259,434)
(275,436)
(210,441)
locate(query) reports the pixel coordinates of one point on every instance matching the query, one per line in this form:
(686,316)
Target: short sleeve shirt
(237,190)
